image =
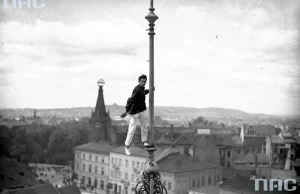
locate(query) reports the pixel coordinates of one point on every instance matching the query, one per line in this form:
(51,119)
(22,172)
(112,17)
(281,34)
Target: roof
(223,139)
(141,152)
(240,158)
(229,173)
(237,140)
(14,174)
(275,139)
(36,189)
(102,147)
(72,189)
(163,140)
(262,158)
(250,158)
(178,163)
(262,130)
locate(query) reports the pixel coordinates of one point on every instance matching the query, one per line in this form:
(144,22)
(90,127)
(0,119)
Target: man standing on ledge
(136,109)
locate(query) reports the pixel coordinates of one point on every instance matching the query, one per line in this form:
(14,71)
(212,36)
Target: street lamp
(151,183)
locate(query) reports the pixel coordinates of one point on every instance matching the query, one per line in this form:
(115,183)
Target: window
(90,168)
(112,174)
(132,177)
(96,169)
(228,153)
(194,183)
(83,166)
(133,164)
(77,165)
(77,155)
(198,183)
(90,157)
(84,156)
(102,170)
(126,163)
(120,162)
(164,183)
(126,176)
(169,186)
(137,165)
(103,159)
(142,165)
(96,158)
(112,160)
(228,163)
(102,185)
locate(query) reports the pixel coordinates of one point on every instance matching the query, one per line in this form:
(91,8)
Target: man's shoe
(127,150)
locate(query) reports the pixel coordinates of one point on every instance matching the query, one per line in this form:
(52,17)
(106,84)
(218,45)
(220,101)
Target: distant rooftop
(101,147)
(178,163)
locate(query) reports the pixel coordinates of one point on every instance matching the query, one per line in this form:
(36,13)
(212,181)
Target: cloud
(217,54)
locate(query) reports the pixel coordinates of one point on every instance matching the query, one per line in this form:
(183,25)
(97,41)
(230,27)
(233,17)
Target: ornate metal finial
(151,3)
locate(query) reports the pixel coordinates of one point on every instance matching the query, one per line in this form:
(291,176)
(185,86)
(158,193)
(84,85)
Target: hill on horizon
(116,110)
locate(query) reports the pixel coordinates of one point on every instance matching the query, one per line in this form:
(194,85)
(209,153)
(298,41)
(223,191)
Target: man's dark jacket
(136,103)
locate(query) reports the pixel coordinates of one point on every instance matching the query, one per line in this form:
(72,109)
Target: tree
(198,120)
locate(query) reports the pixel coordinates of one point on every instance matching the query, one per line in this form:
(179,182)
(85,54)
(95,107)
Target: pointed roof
(163,140)
(100,109)
(101,146)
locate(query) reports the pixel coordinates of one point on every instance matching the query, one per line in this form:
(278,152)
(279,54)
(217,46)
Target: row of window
(89,169)
(118,174)
(134,164)
(88,181)
(90,157)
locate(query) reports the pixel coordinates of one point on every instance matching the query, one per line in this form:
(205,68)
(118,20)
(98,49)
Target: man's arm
(147,91)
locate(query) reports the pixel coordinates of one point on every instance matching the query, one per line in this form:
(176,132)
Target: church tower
(100,122)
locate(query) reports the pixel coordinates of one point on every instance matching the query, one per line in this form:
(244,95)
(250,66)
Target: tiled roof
(14,174)
(177,163)
(72,189)
(97,147)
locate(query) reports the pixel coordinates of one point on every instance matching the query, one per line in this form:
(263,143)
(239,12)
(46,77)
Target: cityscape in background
(226,108)
(196,154)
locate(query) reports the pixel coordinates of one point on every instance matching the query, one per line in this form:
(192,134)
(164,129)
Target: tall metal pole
(151,178)
(151,17)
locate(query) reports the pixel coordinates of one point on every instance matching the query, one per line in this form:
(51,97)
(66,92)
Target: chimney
(171,132)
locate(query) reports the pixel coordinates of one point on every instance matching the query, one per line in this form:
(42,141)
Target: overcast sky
(239,54)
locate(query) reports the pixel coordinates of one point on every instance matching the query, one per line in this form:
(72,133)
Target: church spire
(100,106)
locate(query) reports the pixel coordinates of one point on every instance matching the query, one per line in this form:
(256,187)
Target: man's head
(142,80)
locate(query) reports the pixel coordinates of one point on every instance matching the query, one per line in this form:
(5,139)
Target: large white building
(125,171)
(92,166)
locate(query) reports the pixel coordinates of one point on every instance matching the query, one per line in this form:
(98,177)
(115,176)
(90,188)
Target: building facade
(92,166)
